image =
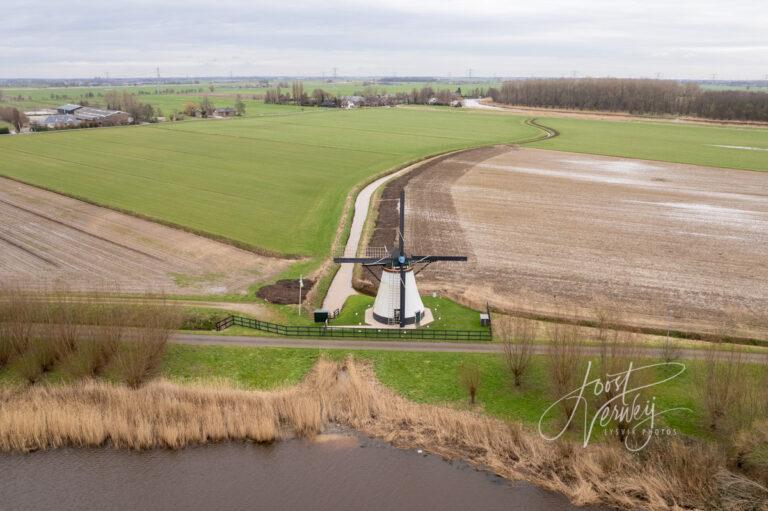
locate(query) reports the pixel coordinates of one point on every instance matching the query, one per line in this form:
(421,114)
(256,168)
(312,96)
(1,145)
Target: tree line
(635,96)
(369,96)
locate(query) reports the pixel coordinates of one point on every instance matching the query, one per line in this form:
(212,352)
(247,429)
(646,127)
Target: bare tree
(239,105)
(720,385)
(206,106)
(470,376)
(564,361)
(517,337)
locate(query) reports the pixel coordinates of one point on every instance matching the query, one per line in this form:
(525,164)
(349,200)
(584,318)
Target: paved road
(431,347)
(475,103)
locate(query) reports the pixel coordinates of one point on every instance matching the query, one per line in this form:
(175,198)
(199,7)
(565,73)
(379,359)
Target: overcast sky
(669,38)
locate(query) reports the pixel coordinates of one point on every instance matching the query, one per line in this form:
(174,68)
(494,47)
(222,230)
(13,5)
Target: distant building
(57,121)
(68,109)
(457,103)
(99,117)
(352,101)
(226,111)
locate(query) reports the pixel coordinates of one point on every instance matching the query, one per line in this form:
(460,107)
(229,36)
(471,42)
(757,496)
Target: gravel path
(429,347)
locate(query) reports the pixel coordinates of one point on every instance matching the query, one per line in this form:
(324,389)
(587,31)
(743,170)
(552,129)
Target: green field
(276,183)
(678,143)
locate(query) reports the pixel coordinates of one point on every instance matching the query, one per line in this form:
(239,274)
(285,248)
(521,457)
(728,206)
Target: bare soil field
(553,233)
(48,240)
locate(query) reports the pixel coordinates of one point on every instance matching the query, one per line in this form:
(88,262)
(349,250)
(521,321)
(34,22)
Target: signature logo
(621,404)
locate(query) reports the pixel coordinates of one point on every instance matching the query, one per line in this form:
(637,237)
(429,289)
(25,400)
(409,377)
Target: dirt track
(49,240)
(553,232)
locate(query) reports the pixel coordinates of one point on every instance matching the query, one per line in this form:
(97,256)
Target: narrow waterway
(336,472)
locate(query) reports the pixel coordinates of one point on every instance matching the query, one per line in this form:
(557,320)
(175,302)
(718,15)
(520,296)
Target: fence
(357,333)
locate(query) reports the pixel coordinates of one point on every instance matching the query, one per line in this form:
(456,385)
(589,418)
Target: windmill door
(396,319)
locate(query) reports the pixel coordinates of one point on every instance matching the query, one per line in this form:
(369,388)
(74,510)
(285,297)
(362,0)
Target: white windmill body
(386,308)
(397,300)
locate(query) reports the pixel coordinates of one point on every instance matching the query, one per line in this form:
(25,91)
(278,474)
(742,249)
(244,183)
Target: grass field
(681,143)
(277,183)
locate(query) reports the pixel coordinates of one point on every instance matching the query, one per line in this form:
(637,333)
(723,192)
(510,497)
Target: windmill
(397,300)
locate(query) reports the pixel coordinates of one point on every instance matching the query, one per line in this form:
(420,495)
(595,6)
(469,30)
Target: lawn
(275,183)
(663,141)
(448,314)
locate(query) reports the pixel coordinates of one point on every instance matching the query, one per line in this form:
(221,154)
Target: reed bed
(669,475)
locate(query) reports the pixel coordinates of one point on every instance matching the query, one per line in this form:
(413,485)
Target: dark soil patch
(285,291)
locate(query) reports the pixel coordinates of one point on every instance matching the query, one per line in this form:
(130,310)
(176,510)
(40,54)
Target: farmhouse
(226,111)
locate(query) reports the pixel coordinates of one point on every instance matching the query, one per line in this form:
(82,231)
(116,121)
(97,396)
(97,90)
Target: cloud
(684,39)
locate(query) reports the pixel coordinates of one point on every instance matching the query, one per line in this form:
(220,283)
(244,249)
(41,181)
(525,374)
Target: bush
(196,319)
(5,130)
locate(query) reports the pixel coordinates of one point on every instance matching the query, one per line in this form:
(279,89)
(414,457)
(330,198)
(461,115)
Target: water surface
(338,472)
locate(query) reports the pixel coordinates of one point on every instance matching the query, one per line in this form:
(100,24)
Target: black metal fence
(355,332)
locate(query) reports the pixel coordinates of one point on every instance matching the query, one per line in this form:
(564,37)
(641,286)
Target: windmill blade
(402,295)
(402,222)
(431,259)
(362,260)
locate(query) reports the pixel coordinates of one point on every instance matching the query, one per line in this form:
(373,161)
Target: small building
(457,103)
(352,101)
(68,109)
(227,111)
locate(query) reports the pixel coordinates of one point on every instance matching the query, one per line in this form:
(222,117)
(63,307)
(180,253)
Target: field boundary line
(215,237)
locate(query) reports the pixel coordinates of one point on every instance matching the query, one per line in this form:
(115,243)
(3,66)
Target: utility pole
(301,286)
(469,72)
(157,88)
(334,73)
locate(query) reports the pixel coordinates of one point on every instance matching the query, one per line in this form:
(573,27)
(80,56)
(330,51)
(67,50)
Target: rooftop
(69,107)
(89,114)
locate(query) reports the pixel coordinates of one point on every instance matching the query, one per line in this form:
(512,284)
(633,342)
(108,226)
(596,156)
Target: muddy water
(339,472)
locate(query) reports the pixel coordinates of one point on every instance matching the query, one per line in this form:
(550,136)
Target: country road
(429,347)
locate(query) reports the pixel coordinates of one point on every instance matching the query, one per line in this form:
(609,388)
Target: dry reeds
(671,474)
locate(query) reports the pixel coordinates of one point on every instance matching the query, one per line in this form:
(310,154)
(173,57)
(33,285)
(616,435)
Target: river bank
(162,414)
